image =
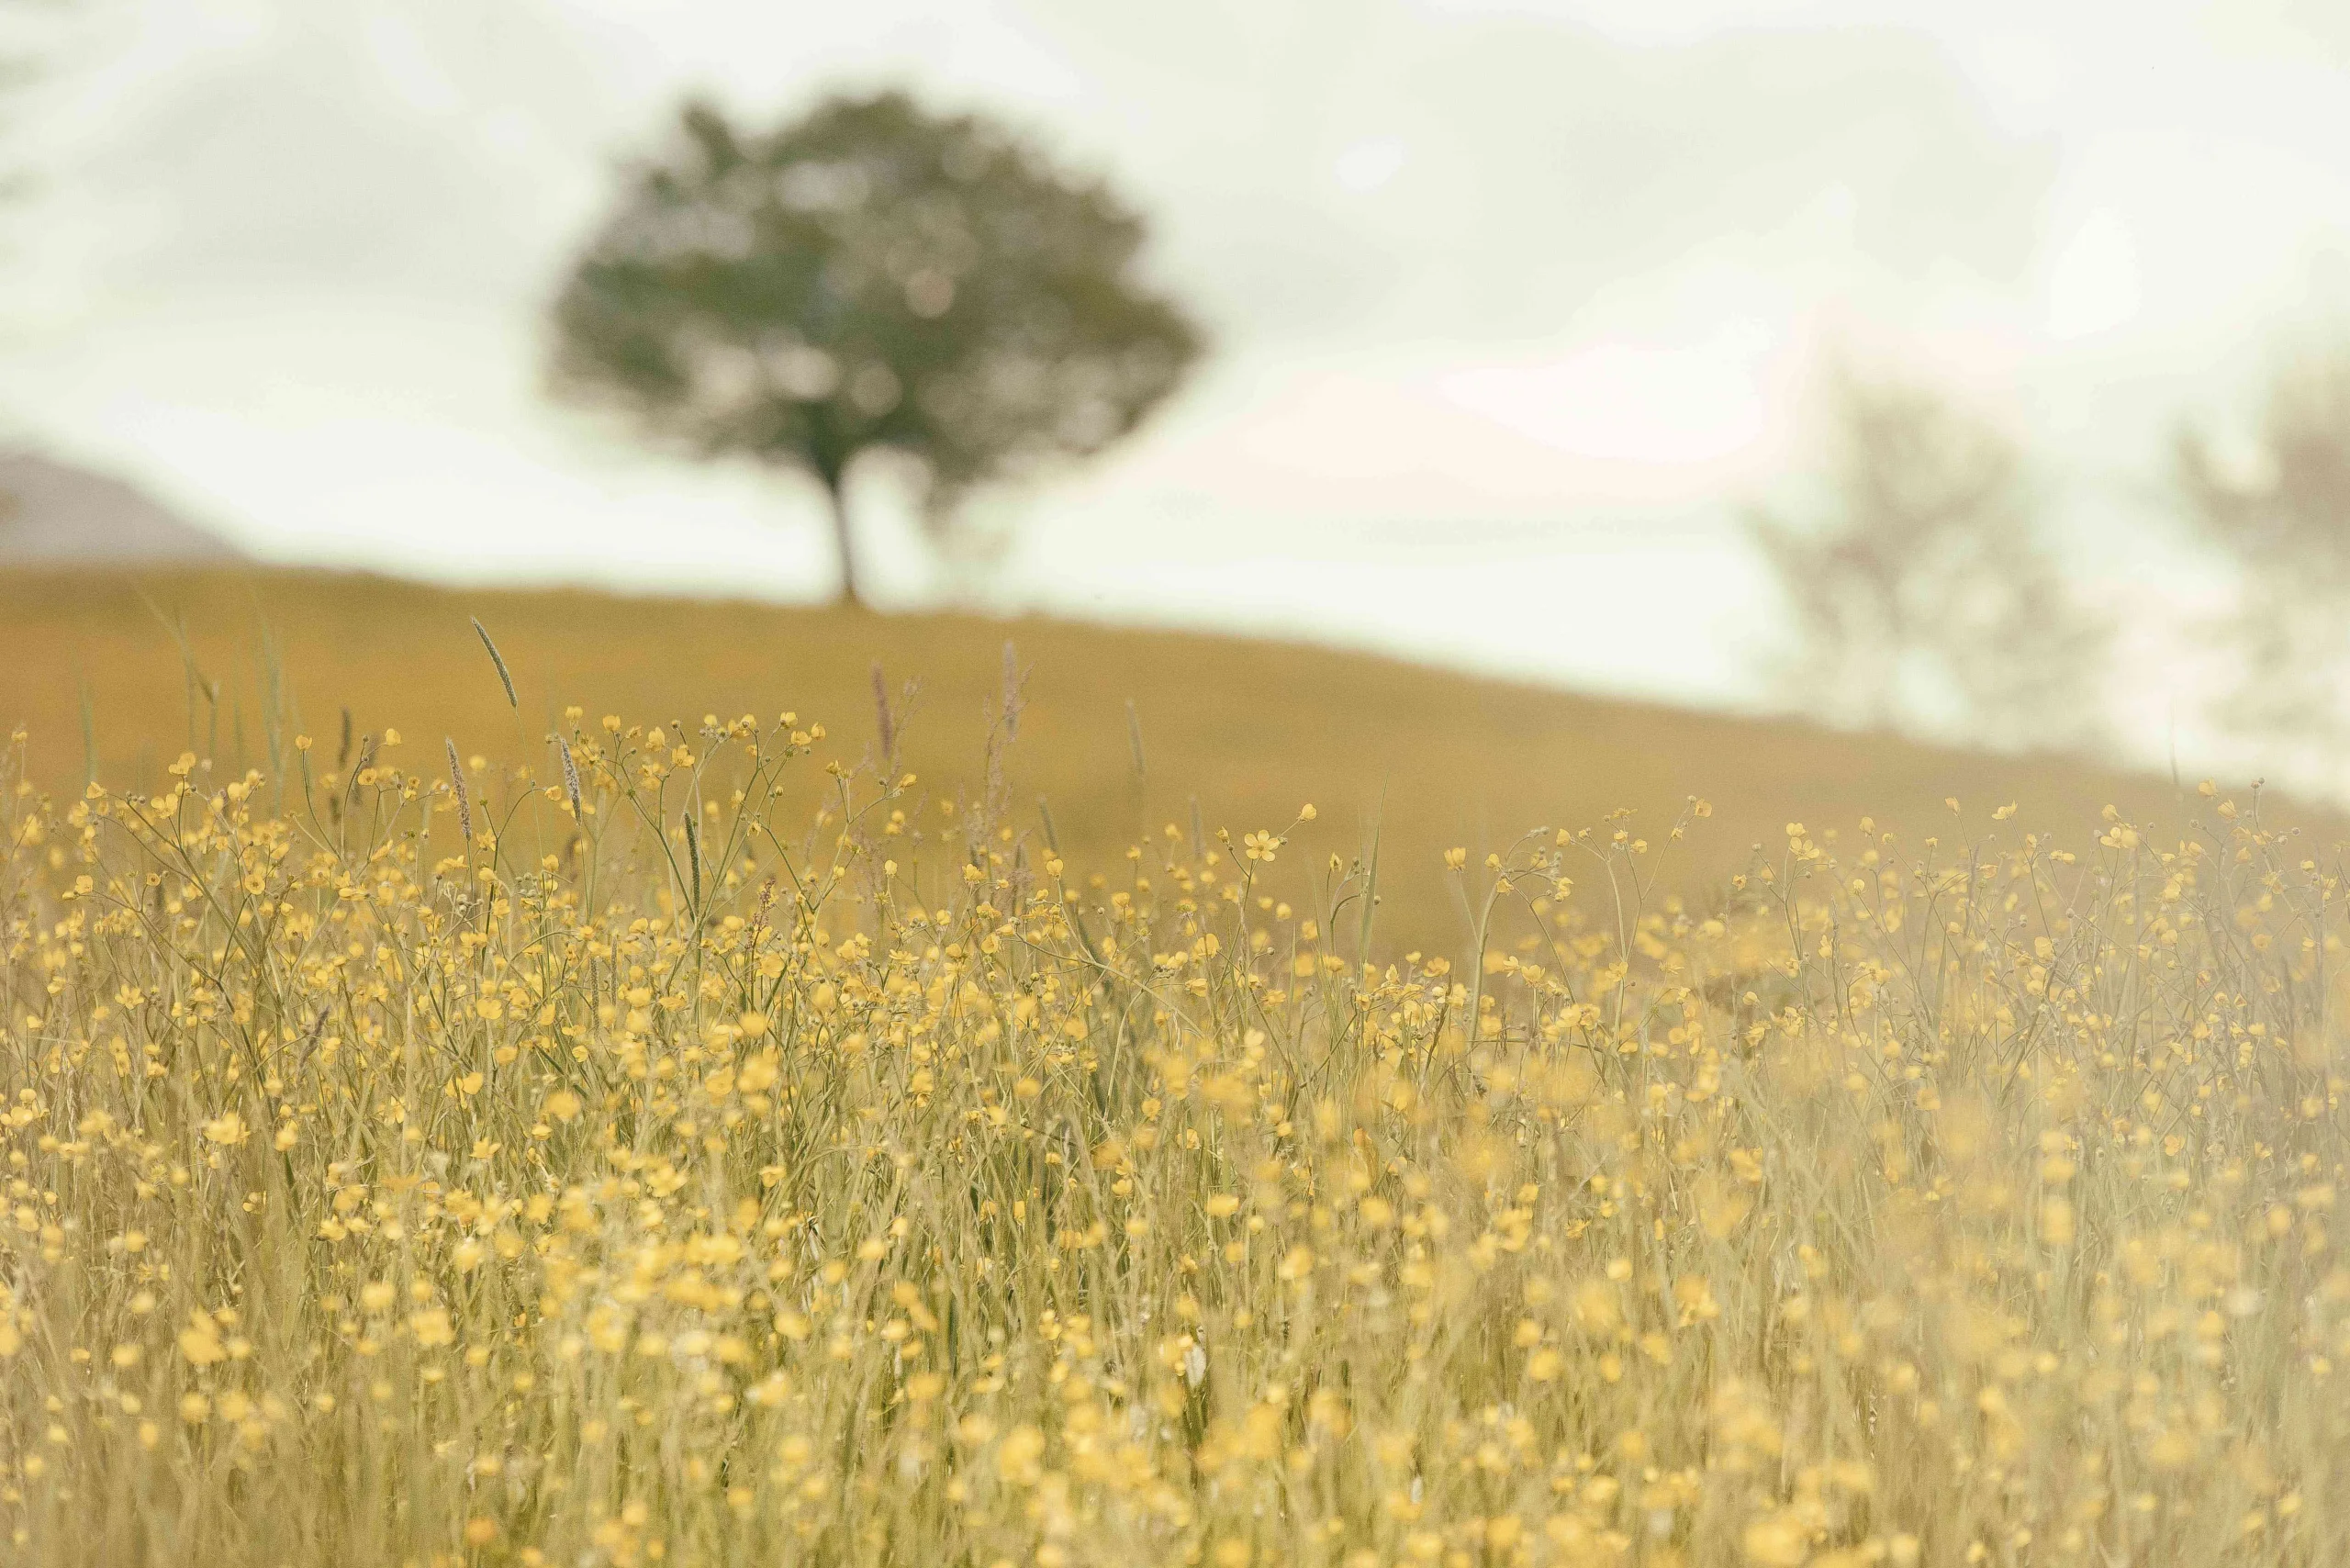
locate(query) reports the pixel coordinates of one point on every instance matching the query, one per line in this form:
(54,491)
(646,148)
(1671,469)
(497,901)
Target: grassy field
(94,665)
(668,1175)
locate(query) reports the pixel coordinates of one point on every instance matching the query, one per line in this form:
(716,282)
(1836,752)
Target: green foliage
(871,276)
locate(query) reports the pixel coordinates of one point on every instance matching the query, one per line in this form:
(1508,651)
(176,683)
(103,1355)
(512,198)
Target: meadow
(1123,731)
(727,1142)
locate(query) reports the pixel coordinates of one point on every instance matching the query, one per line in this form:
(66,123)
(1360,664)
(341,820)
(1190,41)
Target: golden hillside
(1253,729)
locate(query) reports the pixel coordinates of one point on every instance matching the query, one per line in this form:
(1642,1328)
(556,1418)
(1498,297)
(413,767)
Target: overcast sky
(1514,303)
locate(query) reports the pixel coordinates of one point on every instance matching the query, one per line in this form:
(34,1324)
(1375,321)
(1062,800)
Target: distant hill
(91,662)
(53,513)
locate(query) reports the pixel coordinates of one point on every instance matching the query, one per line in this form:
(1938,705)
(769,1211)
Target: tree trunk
(836,492)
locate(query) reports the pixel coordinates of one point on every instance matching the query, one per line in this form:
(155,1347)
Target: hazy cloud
(454,151)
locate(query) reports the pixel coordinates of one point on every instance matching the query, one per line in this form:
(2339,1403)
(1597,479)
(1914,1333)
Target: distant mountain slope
(53,513)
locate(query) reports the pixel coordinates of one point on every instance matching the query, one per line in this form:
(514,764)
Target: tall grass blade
(499,659)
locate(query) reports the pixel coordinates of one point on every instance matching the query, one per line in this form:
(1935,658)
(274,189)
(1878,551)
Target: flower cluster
(458,1166)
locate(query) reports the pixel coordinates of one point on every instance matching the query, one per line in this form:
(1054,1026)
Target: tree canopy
(1925,597)
(2282,515)
(870,276)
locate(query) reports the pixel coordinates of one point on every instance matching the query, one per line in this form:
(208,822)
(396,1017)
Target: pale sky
(1515,304)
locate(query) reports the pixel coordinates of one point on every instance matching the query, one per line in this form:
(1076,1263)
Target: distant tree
(2283,517)
(1924,596)
(871,276)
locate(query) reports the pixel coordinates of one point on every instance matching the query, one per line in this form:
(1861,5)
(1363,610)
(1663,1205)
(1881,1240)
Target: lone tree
(871,276)
(1925,593)
(2284,519)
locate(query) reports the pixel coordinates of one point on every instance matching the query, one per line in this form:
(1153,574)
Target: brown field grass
(1425,758)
